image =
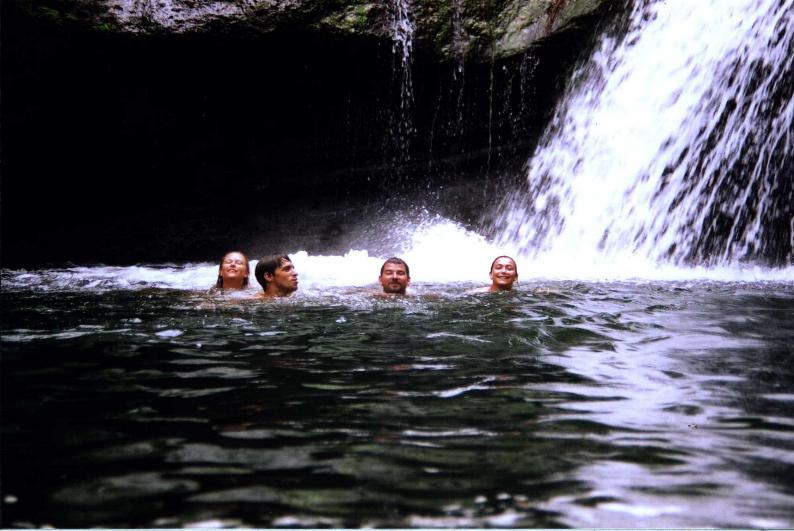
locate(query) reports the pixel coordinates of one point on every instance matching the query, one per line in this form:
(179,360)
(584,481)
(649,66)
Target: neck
(234,283)
(274,291)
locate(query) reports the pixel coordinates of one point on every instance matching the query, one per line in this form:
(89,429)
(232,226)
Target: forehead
(234,256)
(504,261)
(391,266)
(284,263)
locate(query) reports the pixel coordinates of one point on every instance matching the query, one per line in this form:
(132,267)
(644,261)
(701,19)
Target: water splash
(439,251)
(674,144)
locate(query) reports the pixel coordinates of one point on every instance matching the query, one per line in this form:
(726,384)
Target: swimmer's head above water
(504,273)
(276,274)
(233,271)
(394,276)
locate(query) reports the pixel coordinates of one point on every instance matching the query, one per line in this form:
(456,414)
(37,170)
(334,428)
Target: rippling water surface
(591,404)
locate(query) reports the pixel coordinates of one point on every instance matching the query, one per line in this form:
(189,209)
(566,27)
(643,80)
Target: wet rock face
(484,30)
(474,30)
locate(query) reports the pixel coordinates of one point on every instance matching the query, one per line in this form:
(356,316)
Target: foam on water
(439,252)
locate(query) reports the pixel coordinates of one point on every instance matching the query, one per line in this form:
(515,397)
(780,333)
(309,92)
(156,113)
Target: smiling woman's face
(233,270)
(503,274)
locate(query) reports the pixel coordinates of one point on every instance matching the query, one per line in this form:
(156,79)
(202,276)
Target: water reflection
(682,398)
(616,404)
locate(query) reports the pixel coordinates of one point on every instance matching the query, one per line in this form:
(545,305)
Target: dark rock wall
(477,30)
(123,148)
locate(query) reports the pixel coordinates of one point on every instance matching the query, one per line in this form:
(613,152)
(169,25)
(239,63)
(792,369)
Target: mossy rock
(472,30)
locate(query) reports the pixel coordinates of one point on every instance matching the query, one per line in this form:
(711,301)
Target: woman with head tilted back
(233,271)
(504,274)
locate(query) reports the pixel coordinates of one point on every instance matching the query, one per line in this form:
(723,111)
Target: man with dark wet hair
(277,276)
(394,276)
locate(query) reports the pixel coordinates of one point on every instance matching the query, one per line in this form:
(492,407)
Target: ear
(269,277)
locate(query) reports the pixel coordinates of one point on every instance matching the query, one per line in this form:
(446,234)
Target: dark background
(123,149)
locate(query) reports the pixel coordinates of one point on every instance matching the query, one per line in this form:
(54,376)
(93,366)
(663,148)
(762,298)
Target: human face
(503,274)
(394,278)
(233,270)
(284,280)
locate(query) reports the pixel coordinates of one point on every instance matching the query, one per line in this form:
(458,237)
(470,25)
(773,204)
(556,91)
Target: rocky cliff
(473,30)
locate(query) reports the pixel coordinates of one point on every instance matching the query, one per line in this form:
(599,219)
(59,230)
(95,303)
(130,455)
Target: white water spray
(670,147)
(438,251)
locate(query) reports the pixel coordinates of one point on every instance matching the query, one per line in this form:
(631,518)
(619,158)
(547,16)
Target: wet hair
(395,260)
(219,283)
(269,264)
(503,256)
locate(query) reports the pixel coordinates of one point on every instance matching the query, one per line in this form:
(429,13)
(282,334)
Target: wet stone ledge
(471,30)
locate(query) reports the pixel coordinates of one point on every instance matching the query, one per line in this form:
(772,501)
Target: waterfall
(402,47)
(673,144)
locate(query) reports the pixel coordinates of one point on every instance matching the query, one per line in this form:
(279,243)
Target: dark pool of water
(619,404)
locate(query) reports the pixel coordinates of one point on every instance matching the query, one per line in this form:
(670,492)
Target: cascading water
(402,46)
(458,71)
(673,146)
